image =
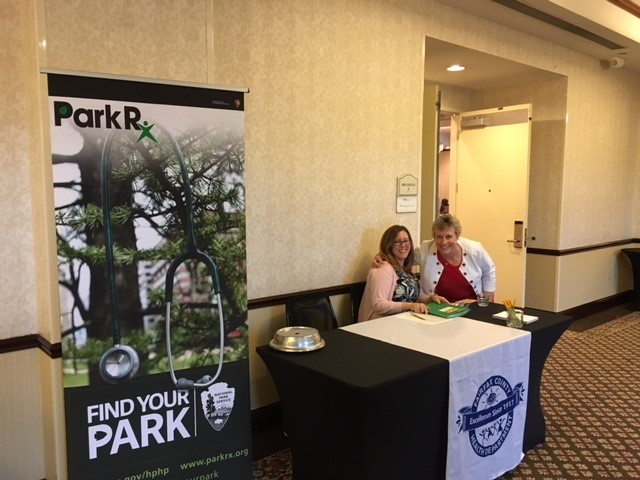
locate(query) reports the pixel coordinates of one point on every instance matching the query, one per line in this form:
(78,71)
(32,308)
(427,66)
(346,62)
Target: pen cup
(515,318)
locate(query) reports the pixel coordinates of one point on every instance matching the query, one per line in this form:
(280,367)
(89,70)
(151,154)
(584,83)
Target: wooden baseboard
(598,306)
(26,342)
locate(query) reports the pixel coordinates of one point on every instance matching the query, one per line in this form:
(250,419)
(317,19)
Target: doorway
(490,152)
(489,81)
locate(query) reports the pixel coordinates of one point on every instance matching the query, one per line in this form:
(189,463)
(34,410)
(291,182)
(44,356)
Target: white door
(431,113)
(490,155)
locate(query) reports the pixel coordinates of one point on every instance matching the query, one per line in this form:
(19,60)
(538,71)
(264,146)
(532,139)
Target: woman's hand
(417,307)
(438,299)
(378,261)
(465,301)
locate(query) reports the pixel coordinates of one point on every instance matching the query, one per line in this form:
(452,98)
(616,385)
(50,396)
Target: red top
(453,285)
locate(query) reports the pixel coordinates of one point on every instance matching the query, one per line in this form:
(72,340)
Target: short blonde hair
(446,221)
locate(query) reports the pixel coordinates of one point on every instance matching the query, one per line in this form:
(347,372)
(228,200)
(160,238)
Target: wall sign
(407,194)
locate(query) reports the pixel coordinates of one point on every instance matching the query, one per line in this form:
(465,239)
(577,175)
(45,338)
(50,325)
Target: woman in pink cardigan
(392,287)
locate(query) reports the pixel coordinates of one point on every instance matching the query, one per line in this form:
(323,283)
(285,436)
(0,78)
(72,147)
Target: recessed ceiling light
(455,68)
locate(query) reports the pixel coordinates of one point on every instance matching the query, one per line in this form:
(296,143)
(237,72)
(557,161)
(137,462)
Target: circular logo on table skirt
(489,419)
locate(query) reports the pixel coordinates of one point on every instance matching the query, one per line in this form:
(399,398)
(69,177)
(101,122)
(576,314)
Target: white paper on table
(525,318)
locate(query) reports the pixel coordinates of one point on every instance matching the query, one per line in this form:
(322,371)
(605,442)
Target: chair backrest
(311,311)
(357,289)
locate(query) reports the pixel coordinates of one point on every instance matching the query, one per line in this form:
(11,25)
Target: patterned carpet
(590,396)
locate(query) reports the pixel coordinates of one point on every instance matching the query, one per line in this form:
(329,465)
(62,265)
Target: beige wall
(21,437)
(19,147)
(594,274)
(599,200)
(326,94)
(23,405)
(333,117)
(560,283)
(318,196)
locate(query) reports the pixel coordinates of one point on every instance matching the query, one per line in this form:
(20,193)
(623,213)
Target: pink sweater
(378,292)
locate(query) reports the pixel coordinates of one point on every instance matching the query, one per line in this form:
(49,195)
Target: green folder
(445,310)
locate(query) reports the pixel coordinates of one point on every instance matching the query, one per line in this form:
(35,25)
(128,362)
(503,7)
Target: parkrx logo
(490,418)
(128,118)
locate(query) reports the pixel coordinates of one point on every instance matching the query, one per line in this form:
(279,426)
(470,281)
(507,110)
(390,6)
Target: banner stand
(150,221)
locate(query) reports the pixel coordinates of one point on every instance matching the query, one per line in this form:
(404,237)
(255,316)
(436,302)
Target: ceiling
(603,30)
(482,70)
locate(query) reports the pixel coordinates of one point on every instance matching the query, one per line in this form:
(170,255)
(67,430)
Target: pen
(417,315)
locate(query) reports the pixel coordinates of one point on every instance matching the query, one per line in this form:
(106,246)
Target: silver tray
(297,339)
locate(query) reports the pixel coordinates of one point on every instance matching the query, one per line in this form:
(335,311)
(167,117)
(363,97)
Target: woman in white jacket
(454,267)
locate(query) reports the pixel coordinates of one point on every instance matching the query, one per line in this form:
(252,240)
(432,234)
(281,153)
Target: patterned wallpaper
(19,146)
(333,118)
(341,149)
(164,39)
(602,160)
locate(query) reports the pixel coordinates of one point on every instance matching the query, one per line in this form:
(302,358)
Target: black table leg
(634,256)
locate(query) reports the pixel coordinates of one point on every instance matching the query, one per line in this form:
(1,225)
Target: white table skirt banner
(488,380)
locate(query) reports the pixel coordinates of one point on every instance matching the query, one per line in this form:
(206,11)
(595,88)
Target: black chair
(311,311)
(357,289)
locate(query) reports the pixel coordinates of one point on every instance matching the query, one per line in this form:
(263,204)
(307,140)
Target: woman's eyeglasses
(399,243)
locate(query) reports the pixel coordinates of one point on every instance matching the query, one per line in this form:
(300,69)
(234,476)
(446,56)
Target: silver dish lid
(297,339)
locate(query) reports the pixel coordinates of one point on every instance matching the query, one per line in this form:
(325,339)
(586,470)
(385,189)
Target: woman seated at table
(392,287)
(453,269)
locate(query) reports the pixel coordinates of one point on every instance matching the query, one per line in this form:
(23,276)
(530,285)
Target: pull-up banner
(150,221)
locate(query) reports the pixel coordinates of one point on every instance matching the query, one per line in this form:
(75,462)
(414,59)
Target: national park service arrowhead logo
(217,404)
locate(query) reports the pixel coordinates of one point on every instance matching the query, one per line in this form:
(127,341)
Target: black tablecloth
(364,409)
(634,257)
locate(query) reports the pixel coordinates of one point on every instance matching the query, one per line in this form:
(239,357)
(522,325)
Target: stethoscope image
(121,362)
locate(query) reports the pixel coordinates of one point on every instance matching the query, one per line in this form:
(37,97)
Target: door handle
(518,234)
